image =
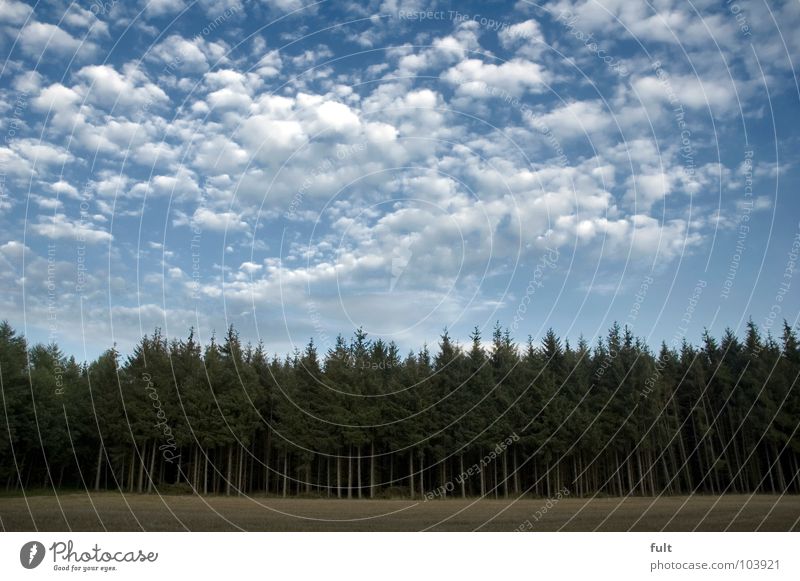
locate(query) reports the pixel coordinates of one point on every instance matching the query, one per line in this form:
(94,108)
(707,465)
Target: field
(132,512)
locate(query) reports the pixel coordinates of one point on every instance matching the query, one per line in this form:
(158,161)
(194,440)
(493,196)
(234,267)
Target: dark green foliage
(362,421)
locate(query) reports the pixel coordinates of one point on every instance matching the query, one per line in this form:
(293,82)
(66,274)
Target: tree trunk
(667,476)
(99,466)
(251,472)
(781,477)
(195,470)
(150,474)
(411,486)
(132,470)
(547,476)
(338,475)
(461,475)
(350,472)
(228,469)
(630,474)
(309,470)
(142,455)
(421,470)
(651,471)
(268,453)
(483,476)
(505,473)
(242,471)
(494,474)
(285,472)
(205,471)
(736,458)
(358,465)
(639,465)
(372,469)
(120,483)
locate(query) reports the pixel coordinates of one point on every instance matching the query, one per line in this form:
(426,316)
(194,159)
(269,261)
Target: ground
(134,512)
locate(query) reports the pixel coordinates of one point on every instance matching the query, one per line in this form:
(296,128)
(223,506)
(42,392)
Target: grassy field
(130,512)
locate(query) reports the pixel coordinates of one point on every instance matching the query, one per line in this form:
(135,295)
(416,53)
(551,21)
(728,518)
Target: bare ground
(134,512)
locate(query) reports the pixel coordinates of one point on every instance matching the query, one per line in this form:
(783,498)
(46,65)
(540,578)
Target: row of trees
(361,420)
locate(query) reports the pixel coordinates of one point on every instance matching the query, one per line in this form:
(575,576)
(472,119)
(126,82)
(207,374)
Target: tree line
(362,421)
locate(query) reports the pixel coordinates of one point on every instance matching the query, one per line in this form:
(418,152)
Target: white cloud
(194,55)
(182,186)
(250,267)
(163,7)
(338,118)
(649,189)
(110,184)
(15,12)
(270,64)
(691,91)
(271,139)
(37,37)
(218,221)
(283,5)
(14,163)
(28,82)
(47,203)
(41,153)
(175,52)
(62,187)
(516,77)
(108,88)
(525,38)
(54,97)
(444,51)
(60,227)
(14,250)
(79,17)
(61,104)
(578,118)
(229,99)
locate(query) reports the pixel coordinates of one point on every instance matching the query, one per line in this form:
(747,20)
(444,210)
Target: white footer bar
(399,556)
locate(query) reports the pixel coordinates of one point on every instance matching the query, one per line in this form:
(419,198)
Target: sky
(301,169)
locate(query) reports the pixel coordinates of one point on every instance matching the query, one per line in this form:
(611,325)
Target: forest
(490,418)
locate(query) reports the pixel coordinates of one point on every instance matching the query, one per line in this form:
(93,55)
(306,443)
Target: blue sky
(302,169)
